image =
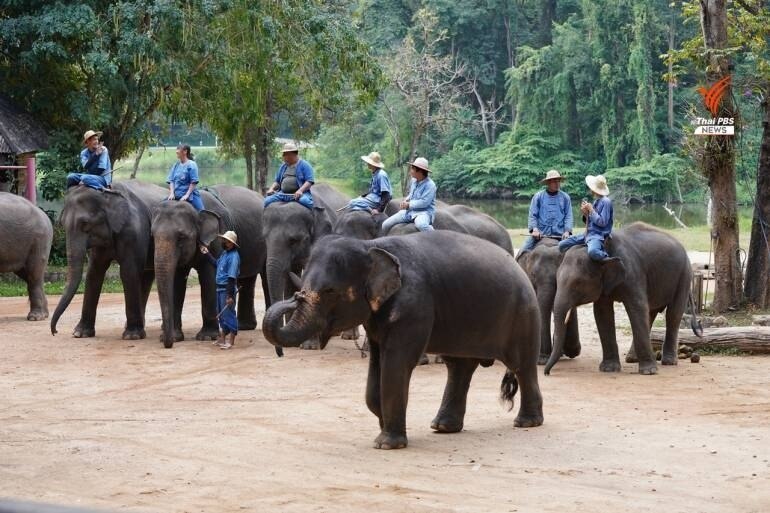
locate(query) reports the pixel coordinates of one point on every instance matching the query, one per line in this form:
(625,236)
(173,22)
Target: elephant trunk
(302,324)
(277,274)
(165,271)
(76,253)
(561,313)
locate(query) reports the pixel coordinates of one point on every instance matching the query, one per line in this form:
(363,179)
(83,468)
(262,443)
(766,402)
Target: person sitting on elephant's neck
(550,212)
(598,218)
(419,207)
(379,194)
(95,159)
(228,268)
(293,181)
(183,178)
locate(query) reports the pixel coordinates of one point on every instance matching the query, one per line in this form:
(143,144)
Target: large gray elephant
(652,275)
(177,230)
(26,234)
(541,265)
(413,294)
(290,230)
(109,225)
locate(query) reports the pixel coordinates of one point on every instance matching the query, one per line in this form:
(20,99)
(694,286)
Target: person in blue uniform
(228,268)
(419,207)
(183,178)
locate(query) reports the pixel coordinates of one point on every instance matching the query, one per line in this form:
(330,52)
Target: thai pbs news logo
(712,97)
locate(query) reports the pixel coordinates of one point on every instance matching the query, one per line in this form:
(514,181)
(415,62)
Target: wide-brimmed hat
(598,184)
(230,236)
(421,163)
(552,175)
(89,134)
(289,146)
(373,159)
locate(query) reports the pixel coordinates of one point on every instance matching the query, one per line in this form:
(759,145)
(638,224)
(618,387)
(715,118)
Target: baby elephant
(438,292)
(26,234)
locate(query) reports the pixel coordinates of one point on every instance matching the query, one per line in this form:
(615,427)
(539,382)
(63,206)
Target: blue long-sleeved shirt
(551,214)
(422,196)
(601,218)
(97,164)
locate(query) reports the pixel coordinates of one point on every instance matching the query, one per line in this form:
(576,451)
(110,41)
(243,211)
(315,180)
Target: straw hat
(230,236)
(552,175)
(373,159)
(421,163)
(289,146)
(89,134)
(598,184)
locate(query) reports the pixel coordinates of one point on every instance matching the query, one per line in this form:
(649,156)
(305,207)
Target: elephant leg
(639,315)
(572,336)
(546,305)
(180,291)
(531,407)
(449,418)
(605,323)
(631,354)
(674,313)
(131,276)
(35,277)
(373,401)
(207,280)
(148,276)
(247,318)
(350,334)
(397,361)
(98,263)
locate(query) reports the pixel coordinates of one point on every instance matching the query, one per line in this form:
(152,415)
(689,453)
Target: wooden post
(30,191)
(697,291)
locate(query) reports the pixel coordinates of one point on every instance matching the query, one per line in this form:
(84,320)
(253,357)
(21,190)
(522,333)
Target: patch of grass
(698,238)
(17,288)
(721,351)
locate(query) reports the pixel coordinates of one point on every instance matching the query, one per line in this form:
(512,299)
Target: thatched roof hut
(19,133)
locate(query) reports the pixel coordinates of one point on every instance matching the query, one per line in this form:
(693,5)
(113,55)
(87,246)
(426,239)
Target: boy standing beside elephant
(228,268)
(599,219)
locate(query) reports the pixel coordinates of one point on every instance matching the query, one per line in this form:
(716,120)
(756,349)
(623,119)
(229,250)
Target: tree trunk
(510,47)
(670,135)
(248,152)
(758,266)
(719,165)
(136,162)
(264,142)
(571,123)
(547,15)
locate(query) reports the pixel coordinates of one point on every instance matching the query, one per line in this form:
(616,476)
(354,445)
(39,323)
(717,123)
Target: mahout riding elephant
(178,229)
(413,294)
(109,225)
(653,274)
(290,230)
(26,234)
(541,265)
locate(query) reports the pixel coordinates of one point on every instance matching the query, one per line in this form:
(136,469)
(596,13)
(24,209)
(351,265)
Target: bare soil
(128,425)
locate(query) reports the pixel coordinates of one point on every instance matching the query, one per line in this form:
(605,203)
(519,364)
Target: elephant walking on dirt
(414,294)
(653,274)
(26,234)
(178,229)
(109,225)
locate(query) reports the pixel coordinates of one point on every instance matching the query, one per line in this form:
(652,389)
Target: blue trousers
(421,220)
(194,200)
(595,246)
(306,200)
(228,320)
(93,181)
(362,204)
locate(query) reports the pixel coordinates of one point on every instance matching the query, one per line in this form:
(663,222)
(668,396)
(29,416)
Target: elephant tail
(695,323)
(508,388)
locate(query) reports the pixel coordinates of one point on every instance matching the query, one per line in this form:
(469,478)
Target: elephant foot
(390,441)
(446,423)
(208,334)
(178,336)
(669,359)
(365,346)
(526,421)
(37,315)
(134,334)
(542,359)
(648,368)
(610,366)
(247,325)
(572,351)
(423,359)
(350,334)
(313,344)
(631,356)
(438,359)
(81,331)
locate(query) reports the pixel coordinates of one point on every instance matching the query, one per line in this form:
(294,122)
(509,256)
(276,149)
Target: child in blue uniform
(228,267)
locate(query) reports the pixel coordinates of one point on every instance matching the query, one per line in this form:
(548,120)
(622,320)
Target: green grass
(19,288)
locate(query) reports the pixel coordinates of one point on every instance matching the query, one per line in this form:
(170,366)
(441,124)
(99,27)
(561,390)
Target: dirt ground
(128,425)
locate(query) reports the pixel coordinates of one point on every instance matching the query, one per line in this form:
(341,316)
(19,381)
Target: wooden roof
(19,132)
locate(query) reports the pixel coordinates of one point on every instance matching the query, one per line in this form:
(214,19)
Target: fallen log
(750,339)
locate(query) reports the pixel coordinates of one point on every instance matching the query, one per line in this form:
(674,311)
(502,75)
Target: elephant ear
(384,278)
(116,208)
(613,275)
(208,226)
(322,224)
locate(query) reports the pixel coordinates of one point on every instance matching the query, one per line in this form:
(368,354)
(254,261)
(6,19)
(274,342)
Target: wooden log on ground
(750,339)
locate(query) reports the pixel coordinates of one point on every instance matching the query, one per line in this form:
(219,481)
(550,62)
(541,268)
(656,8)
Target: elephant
(290,230)
(26,234)
(652,274)
(414,294)
(109,224)
(178,229)
(541,265)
